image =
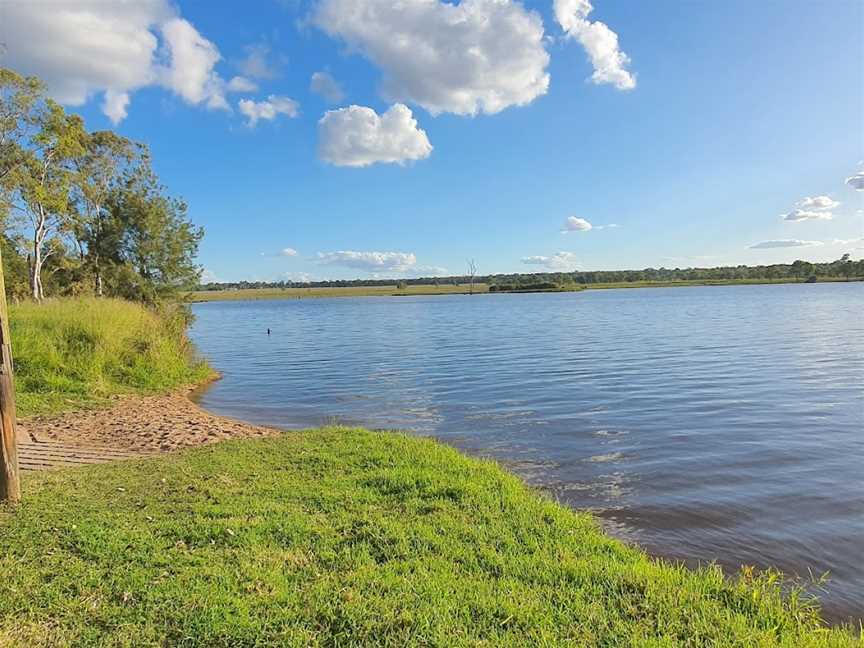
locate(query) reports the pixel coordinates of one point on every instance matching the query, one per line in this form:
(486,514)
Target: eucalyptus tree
(44,182)
(39,143)
(98,170)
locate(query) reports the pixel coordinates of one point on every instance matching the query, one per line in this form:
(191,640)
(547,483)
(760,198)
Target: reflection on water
(722,423)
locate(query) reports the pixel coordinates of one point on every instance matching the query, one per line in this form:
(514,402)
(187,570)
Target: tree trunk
(35,271)
(39,234)
(96,256)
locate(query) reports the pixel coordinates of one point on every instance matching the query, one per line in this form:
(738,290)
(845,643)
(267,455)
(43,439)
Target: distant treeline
(83,212)
(843,268)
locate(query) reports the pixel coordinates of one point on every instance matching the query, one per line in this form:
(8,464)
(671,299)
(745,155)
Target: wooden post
(10,484)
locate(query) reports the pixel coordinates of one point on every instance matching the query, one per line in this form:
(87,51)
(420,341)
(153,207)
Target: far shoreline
(260,294)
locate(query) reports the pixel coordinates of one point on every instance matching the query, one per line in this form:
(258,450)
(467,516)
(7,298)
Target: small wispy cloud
(784,243)
(856,181)
(268,110)
(576,224)
(430,270)
(284,252)
(851,241)
(259,63)
(298,277)
(242,84)
(798,215)
(325,85)
(560,261)
(818,202)
(812,208)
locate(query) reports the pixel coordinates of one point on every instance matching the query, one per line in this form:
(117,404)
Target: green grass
(343,537)
(74,353)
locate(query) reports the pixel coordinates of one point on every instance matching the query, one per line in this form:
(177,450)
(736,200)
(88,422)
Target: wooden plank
(48,455)
(61,452)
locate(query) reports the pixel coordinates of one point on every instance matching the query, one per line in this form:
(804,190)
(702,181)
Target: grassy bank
(349,537)
(72,353)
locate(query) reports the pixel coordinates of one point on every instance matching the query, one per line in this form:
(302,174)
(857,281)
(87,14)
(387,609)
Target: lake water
(717,423)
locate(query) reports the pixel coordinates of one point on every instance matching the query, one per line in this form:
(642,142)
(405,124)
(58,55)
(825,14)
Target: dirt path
(138,424)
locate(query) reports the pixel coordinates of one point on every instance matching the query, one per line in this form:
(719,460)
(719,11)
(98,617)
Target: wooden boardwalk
(45,455)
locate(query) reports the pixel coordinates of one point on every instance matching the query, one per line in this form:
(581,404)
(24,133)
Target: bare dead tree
(472,272)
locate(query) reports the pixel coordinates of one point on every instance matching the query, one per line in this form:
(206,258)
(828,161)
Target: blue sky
(738,113)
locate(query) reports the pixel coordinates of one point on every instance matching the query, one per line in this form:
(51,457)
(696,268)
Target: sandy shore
(141,423)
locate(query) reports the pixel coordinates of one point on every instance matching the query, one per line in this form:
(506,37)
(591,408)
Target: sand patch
(140,423)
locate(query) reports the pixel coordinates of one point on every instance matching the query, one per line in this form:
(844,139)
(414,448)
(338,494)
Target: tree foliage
(82,212)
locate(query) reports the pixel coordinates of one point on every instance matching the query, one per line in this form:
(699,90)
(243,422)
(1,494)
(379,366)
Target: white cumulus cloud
(357,136)
(559,262)
(82,48)
(600,42)
(324,84)
(370,261)
(784,243)
(477,56)
(575,224)
(856,181)
(268,110)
